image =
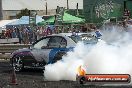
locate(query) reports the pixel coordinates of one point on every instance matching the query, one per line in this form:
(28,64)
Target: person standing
(34,35)
(126,13)
(49,31)
(98,34)
(38,33)
(13,33)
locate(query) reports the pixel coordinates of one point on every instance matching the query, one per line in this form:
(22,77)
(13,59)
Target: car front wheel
(17,63)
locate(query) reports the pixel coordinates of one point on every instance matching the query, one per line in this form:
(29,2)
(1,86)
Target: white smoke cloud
(65,69)
(111,57)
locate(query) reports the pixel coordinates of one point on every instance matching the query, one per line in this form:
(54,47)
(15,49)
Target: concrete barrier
(7,49)
(8,41)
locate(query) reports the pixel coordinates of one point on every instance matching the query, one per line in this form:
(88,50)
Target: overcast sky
(63,3)
(39,4)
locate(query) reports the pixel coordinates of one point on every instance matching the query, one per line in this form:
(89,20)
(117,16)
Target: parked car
(48,50)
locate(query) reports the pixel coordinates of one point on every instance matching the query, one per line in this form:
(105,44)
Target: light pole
(77,13)
(67,4)
(46,11)
(46,7)
(1,15)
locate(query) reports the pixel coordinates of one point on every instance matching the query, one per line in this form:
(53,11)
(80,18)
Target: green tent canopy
(44,21)
(41,23)
(50,20)
(67,19)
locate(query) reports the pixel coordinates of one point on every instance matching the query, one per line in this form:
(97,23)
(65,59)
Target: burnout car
(48,50)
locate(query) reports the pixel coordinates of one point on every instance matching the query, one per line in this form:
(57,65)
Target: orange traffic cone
(13,78)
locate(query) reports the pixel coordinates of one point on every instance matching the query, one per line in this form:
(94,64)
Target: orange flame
(81,71)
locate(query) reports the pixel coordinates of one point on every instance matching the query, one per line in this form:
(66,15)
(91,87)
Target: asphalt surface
(33,78)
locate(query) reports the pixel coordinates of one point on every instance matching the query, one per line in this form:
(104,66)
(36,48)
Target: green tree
(23,12)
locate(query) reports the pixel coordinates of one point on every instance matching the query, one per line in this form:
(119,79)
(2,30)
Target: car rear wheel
(17,63)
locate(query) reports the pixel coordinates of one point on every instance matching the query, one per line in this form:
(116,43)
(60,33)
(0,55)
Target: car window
(41,43)
(86,38)
(75,38)
(63,42)
(56,42)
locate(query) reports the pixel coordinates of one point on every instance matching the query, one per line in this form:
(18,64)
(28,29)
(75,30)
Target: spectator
(3,34)
(25,35)
(13,33)
(34,35)
(7,33)
(44,32)
(30,34)
(98,33)
(126,13)
(38,33)
(49,31)
(21,36)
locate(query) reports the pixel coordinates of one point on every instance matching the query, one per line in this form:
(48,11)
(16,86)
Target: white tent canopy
(24,20)
(3,24)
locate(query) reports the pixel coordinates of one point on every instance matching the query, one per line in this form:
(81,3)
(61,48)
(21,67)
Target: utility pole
(46,8)
(1,15)
(45,4)
(67,4)
(124,5)
(77,12)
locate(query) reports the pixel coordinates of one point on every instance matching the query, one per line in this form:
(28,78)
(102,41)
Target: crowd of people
(28,35)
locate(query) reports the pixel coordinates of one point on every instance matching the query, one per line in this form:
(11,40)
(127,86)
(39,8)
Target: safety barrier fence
(9,40)
(7,49)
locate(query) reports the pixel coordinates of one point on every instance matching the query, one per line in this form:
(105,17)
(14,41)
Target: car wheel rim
(17,64)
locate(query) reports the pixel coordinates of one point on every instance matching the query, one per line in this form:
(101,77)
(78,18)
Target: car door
(57,44)
(41,51)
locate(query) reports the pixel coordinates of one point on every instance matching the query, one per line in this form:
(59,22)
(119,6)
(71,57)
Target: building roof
(39,4)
